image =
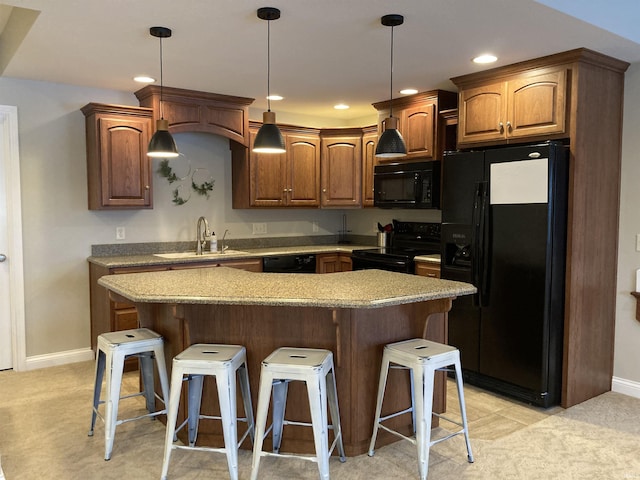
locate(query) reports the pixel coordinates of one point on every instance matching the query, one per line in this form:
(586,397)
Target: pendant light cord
(391,80)
(161,81)
(268,65)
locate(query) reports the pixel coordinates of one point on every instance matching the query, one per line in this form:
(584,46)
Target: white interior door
(12,331)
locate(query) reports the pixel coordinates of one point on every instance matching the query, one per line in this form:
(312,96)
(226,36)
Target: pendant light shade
(269,138)
(162,144)
(391,144)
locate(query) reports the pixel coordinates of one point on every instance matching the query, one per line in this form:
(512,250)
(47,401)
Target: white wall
(627,359)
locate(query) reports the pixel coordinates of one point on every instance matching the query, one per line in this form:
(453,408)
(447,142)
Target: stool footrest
(455,422)
(447,437)
(288,455)
(397,414)
(397,434)
(151,415)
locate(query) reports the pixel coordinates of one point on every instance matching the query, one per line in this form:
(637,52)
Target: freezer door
(461,171)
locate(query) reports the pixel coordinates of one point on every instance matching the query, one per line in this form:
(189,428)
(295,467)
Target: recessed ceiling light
(485,58)
(144,79)
(274,97)
(341,106)
(408,91)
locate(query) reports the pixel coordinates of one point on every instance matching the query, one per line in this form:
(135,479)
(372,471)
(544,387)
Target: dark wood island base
(356,336)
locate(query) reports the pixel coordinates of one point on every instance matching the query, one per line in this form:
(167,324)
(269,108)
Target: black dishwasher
(289,264)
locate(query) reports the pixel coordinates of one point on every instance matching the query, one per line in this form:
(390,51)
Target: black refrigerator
(504,230)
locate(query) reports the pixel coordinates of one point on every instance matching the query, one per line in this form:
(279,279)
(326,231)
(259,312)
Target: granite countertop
(114,261)
(229,286)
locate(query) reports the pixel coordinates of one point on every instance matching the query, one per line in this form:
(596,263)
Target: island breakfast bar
(353,314)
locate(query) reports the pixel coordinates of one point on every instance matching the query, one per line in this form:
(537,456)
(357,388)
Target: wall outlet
(120,233)
(314,227)
(259,228)
(375,227)
(638,242)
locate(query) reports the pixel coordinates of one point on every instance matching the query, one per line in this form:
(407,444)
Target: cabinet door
(341,167)
(369,161)
(537,105)
(482,112)
(346,265)
(427,269)
(125,179)
(268,177)
(418,129)
(303,177)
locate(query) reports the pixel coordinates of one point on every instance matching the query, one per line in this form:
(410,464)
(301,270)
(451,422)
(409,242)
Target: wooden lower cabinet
(427,269)
(108,315)
(333,262)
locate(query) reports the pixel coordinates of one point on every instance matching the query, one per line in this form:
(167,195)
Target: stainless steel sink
(204,255)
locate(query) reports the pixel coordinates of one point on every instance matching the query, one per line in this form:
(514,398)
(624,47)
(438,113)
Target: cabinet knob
(146,187)
(324,190)
(3,257)
(500,126)
(509,125)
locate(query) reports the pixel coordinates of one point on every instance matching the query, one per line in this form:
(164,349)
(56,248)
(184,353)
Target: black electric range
(408,240)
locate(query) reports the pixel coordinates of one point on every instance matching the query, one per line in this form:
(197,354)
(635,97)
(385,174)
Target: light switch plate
(638,242)
(120,233)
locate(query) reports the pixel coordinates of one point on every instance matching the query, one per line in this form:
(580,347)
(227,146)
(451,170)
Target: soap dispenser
(213,242)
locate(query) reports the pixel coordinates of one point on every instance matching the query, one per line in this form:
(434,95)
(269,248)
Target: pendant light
(269,139)
(391,144)
(162,144)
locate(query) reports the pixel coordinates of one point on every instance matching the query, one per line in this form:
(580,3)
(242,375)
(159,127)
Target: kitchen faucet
(200,239)
(222,245)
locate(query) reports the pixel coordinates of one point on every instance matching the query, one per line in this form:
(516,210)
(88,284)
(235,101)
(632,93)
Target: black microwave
(407,185)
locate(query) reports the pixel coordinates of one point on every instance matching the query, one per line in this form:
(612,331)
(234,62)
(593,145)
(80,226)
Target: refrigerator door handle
(476,239)
(483,240)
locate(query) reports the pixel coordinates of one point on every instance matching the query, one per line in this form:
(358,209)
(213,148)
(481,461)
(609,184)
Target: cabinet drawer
(125,319)
(427,269)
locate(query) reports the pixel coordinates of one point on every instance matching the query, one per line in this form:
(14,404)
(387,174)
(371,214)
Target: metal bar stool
(422,358)
(223,362)
(113,349)
(315,367)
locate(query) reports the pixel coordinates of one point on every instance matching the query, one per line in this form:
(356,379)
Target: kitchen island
(354,314)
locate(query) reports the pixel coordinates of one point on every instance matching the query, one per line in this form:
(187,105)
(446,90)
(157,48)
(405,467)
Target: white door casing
(12,316)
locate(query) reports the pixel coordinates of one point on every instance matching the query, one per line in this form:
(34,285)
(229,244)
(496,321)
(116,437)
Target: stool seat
(113,348)
(315,368)
(224,362)
(422,358)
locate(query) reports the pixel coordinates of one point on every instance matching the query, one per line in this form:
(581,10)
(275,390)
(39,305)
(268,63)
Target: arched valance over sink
(192,111)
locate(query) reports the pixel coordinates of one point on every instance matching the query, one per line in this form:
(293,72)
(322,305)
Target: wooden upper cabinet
(418,122)
(193,111)
(369,161)
(537,105)
(418,129)
(118,168)
(521,106)
(268,177)
(341,167)
(303,174)
(290,179)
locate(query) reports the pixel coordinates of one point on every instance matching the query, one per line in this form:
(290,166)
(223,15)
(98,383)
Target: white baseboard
(627,387)
(59,358)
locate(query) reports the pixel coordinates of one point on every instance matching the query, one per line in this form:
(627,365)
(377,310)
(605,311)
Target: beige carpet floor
(44,417)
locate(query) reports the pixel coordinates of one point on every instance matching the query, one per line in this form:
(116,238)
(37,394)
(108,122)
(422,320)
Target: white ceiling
(322,51)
